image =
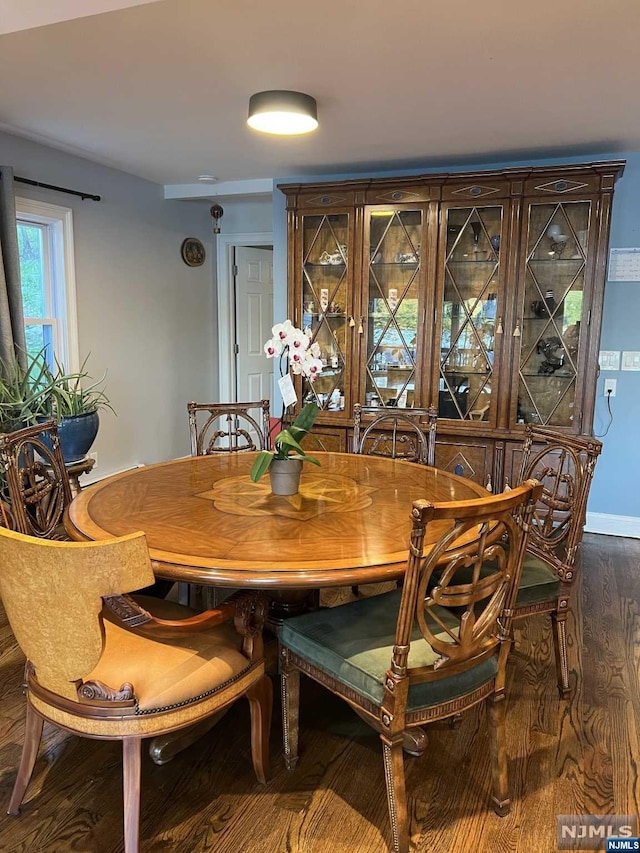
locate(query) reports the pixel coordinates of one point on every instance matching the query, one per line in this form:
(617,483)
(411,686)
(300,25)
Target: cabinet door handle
(516,331)
(499,329)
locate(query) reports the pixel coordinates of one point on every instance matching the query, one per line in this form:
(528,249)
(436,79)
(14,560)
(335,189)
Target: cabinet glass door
(392,307)
(470,314)
(557,241)
(325,263)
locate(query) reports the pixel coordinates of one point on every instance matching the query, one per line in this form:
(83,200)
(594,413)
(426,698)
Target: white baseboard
(95,478)
(613,525)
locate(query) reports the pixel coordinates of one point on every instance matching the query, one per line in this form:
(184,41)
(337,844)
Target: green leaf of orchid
(285,440)
(306,418)
(261,464)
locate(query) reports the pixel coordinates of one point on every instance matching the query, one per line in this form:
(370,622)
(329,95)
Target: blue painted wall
(616,487)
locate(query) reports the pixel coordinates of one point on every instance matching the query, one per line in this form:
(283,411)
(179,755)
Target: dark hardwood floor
(576,757)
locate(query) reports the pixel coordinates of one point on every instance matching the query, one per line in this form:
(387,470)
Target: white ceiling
(161,89)
(25,14)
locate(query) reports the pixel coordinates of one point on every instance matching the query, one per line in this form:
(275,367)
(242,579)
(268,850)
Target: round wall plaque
(192,251)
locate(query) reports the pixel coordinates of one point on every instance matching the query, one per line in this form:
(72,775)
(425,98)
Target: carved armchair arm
(248,611)
(127,612)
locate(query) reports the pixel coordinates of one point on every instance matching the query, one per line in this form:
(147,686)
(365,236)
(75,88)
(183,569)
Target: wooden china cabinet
(478,292)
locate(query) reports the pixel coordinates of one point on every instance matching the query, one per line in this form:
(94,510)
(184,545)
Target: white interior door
(254,319)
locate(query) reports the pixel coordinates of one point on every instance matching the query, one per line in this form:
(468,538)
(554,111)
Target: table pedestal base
(165,747)
(284,603)
(415,739)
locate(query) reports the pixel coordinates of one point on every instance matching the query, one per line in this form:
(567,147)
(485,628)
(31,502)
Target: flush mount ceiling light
(282,112)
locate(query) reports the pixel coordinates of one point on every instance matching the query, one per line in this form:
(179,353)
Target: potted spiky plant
(75,399)
(22,390)
(36,392)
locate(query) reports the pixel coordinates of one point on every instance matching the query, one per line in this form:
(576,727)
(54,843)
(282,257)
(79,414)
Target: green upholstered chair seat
(354,644)
(538,583)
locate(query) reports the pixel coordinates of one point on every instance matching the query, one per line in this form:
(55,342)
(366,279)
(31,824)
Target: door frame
(225,245)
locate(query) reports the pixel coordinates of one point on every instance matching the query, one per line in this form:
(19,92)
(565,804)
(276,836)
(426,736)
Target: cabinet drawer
(320,198)
(512,459)
(394,195)
(472,458)
(480,190)
(325,438)
(562,185)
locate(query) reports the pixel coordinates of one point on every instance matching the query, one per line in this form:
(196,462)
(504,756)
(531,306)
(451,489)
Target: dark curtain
(12,340)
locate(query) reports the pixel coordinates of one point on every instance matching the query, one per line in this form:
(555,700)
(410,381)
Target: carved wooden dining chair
(419,654)
(223,428)
(37,484)
(397,433)
(564,464)
(228,427)
(100,665)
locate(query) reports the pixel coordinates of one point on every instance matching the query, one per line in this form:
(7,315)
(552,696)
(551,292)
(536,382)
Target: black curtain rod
(57,189)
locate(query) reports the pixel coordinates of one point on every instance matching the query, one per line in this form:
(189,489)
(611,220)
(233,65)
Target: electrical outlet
(610,387)
(94,455)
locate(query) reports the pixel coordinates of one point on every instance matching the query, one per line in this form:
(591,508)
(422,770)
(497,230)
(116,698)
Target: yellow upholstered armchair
(100,665)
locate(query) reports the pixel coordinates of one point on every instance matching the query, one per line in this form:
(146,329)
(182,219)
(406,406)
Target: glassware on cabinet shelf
(469,312)
(325,300)
(476,227)
(553,297)
(391,322)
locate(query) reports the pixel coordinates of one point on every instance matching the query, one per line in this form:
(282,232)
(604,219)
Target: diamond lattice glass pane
(329,331)
(469,312)
(324,264)
(554,283)
(392,306)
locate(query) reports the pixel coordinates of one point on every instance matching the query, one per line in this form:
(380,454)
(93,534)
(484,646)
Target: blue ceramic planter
(77,434)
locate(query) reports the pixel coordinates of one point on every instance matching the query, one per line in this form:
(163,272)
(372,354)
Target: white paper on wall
(624,265)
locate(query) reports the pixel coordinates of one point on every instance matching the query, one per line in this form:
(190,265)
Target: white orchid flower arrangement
(296,352)
(293,343)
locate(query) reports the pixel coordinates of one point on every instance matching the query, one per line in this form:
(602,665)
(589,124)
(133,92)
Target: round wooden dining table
(207,522)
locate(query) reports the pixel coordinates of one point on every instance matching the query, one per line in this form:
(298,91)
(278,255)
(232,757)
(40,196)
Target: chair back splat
(564,464)
(408,434)
(37,481)
(228,427)
(224,428)
(396,433)
(426,651)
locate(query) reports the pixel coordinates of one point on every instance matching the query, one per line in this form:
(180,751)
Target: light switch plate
(631,360)
(609,359)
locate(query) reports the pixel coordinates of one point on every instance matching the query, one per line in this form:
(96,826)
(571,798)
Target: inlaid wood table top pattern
(207,522)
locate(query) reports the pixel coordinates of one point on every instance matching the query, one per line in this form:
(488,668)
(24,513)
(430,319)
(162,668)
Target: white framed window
(47,271)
